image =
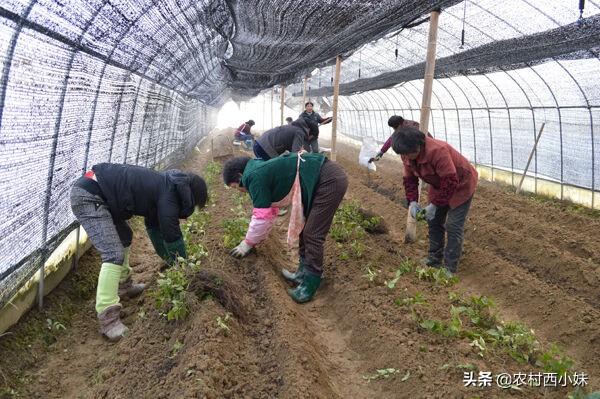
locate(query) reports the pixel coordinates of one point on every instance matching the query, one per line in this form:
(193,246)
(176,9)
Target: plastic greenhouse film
(368,150)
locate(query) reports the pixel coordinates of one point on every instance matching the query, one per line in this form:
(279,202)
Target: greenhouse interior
(300,199)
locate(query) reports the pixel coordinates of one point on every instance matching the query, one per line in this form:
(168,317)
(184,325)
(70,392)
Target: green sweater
(270,181)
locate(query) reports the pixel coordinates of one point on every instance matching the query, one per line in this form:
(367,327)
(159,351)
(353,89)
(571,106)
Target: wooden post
(272,91)
(303,96)
(336,93)
(282,102)
(537,139)
(411,223)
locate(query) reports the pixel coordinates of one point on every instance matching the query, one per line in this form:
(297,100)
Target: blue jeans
(451,221)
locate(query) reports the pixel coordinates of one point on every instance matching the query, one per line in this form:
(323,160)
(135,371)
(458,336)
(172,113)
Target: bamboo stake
(272,91)
(411,223)
(303,95)
(336,93)
(533,150)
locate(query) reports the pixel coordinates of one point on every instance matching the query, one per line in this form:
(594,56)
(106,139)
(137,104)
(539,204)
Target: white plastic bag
(368,150)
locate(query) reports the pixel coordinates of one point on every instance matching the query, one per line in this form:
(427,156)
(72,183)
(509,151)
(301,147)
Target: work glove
(241,250)
(430,212)
(174,250)
(414,208)
(376,157)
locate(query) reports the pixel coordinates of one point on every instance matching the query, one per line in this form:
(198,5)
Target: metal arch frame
(364,111)
(376,100)
(589,108)
(55,135)
(352,113)
(432,119)
(472,118)
(113,49)
(520,88)
(512,158)
(393,91)
(441,82)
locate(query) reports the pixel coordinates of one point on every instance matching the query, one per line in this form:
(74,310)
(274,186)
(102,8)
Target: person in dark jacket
(105,198)
(274,142)
(452,182)
(396,122)
(321,185)
(315,117)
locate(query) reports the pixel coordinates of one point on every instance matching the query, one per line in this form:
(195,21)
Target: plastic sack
(368,150)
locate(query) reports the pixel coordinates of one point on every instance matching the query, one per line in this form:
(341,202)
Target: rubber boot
(294,277)
(307,289)
(110,323)
(107,302)
(431,262)
(127,288)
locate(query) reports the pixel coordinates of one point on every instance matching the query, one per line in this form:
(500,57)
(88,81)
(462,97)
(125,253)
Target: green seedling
(480,345)
(222,323)
(382,373)
(235,230)
(439,276)
(417,299)
(171,293)
(555,361)
(54,325)
(421,216)
(141,314)
(176,348)
(370,275)
(350,224)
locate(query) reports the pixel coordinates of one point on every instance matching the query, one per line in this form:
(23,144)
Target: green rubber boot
(307,289)
(295,277)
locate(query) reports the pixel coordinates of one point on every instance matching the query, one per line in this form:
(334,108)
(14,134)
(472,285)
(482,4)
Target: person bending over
(292,138)
(395,122)
(243,133)
(452,181)
(105,198)
(313,185)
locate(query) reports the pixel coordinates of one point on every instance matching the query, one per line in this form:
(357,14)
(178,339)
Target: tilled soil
(538,261)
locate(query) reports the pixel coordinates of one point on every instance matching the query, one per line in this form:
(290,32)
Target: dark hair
(250,122)
(199,190)
(308,102)
(233,169)
(289,119)
(395,121)
(407,140)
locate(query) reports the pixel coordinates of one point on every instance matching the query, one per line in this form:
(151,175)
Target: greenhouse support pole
(272,91)
(533,150)
(282,102)
(303,96)
(336,94)
(411,223)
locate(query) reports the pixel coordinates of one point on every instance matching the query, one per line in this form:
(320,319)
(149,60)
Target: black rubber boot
(294,277)
(307,289)
(431,262)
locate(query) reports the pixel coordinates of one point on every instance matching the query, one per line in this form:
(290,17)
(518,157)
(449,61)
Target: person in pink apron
(312,186)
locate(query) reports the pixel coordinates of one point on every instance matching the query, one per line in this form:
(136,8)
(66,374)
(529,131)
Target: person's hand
(430,212)
(376,157)
(414,208)
(241,250)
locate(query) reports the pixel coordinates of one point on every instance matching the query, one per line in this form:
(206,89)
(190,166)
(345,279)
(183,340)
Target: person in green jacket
(323,185)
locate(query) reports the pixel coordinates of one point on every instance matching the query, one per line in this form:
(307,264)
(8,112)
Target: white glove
(430,212)
(414,208)
(241,250)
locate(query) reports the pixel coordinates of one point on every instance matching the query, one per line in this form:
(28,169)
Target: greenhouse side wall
(62,111)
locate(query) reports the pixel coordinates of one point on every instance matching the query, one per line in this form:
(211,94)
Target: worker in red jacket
(452,181)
